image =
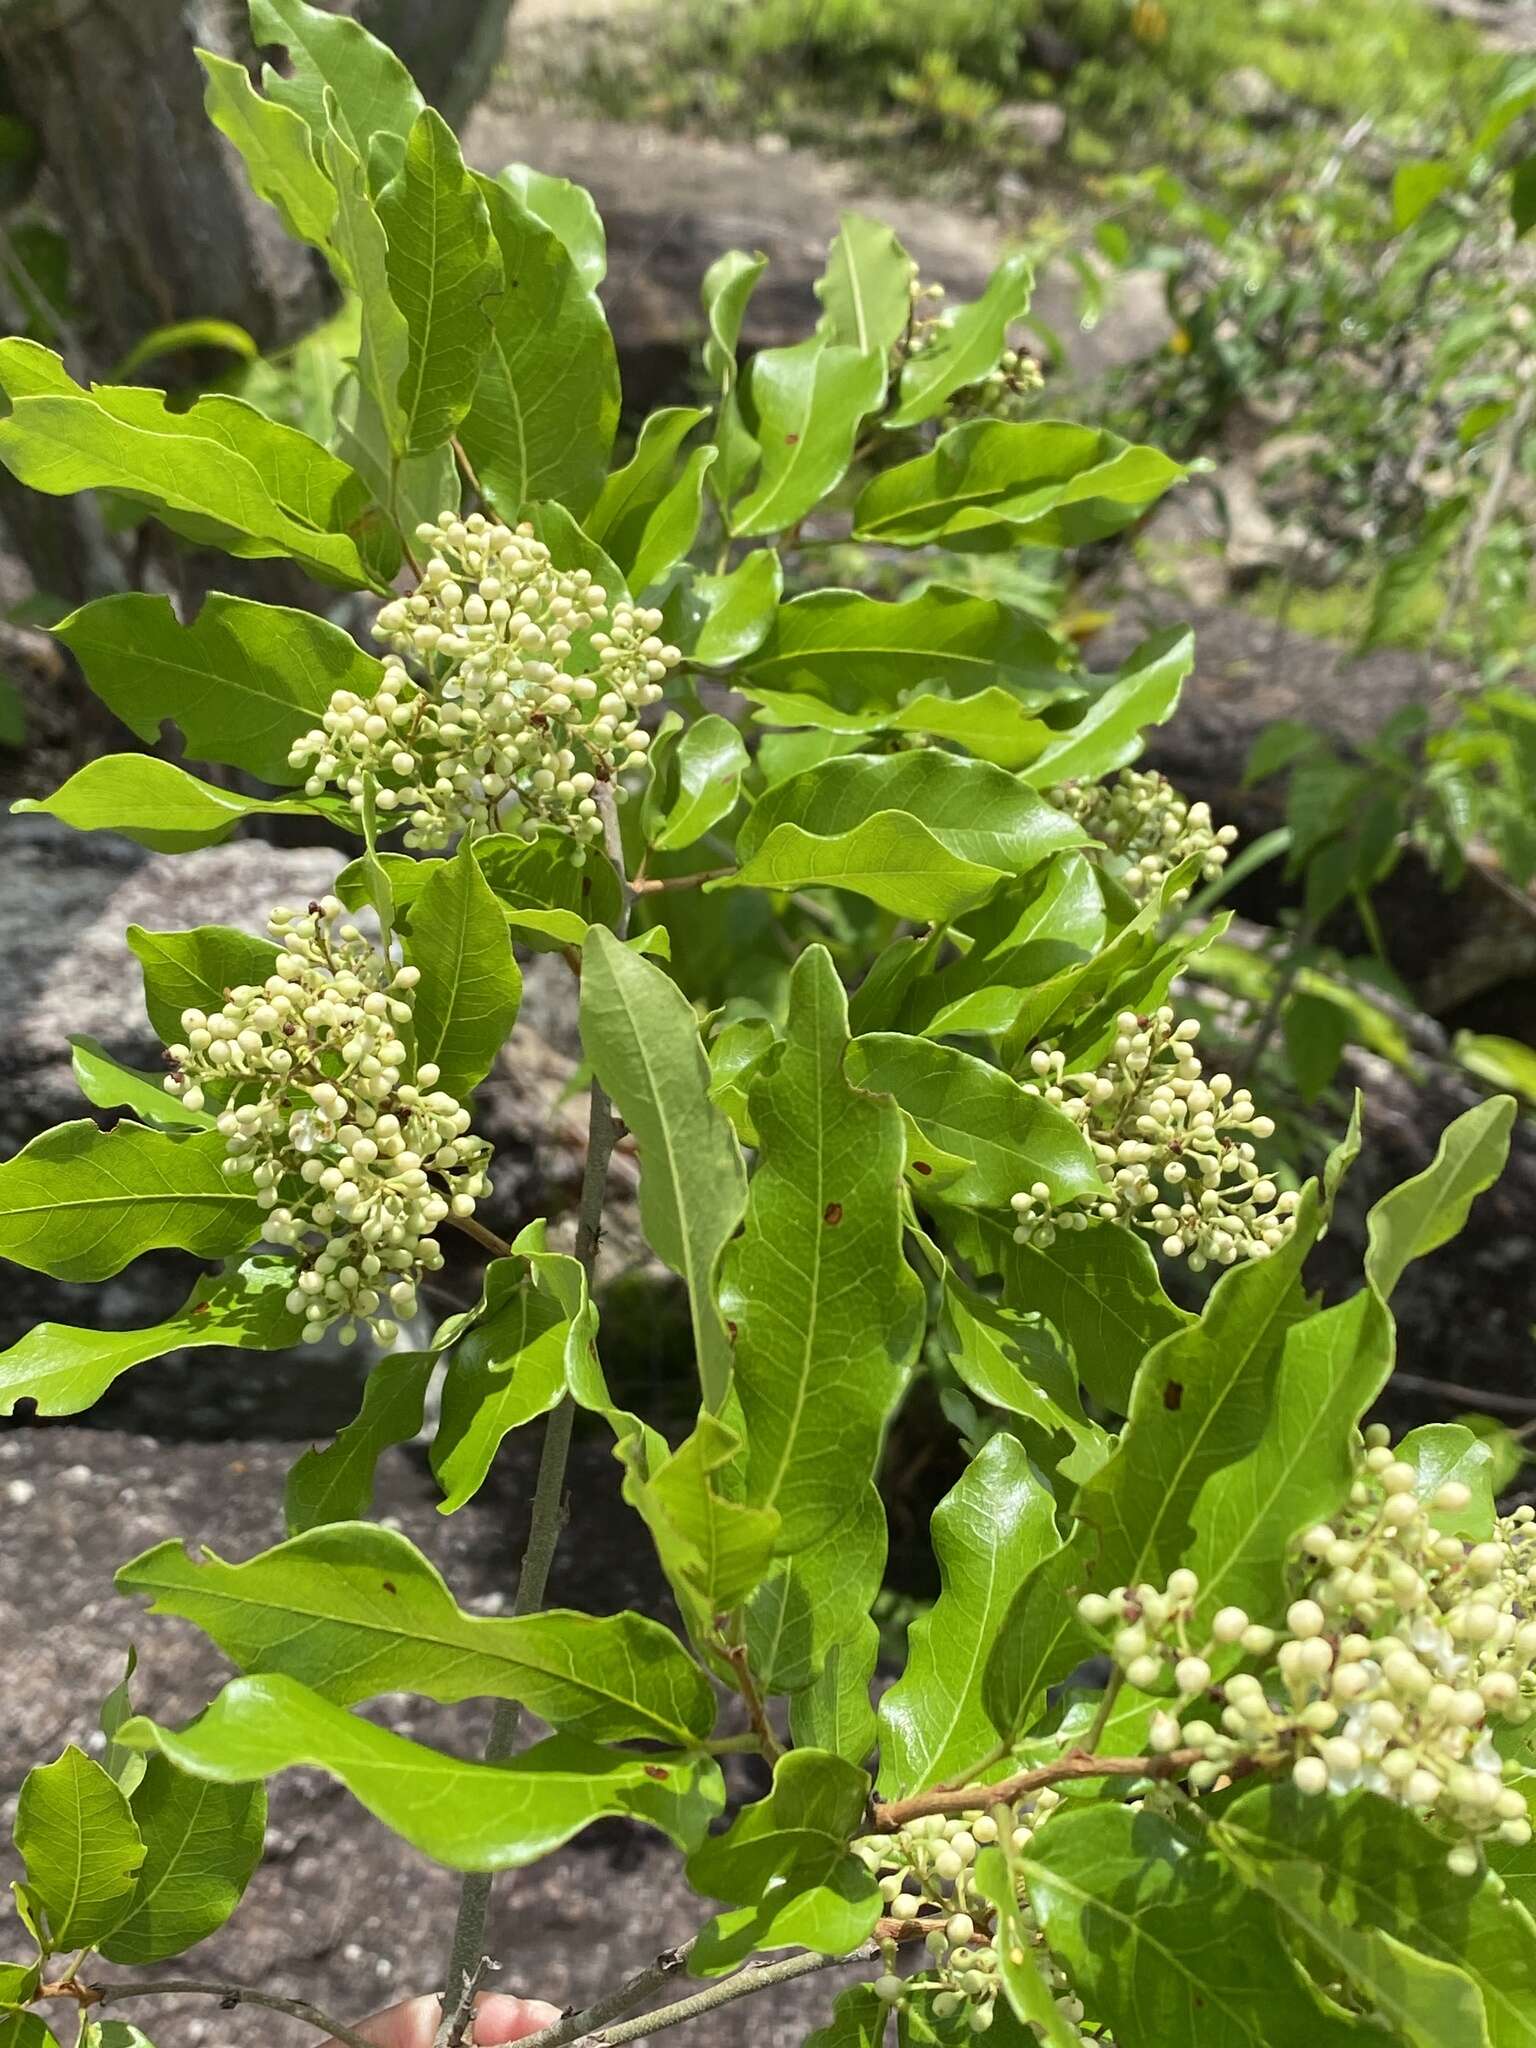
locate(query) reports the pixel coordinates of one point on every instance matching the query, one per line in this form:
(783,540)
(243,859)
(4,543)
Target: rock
(672,204)
(1216,536)
(1036,124)
(342,1912)
(1249,94)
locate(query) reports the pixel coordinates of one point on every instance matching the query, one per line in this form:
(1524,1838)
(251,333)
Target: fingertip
(499,2019)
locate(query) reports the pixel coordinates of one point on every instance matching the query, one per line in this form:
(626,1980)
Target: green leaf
(568,211)
(202,1844)
(639,1032)
(25,2030)
(192,970)
(786,1861)
(77,1838)
(123,1765)
(373,429)
(1161,1944)
(1428,1211)
(18,1983)
(992,483)
(1018,1964)
(1110,734)
(546,899)
(243,681)
(714,1549)
(814,1604)
(276,147)
(728,284)
(108,1084)
(155,803)
(1376,1867)
(1442,1452)
(851,663)
(468,1816)
(353,1610)
(924,834)
(65,1370)
(445,275)
(866,293)
(827,1312)
(990,1529)
(1018,1367)
(333,59)
(982,1115)
(80,1202)
(1199,1404)
(545,409)
(805,404)
(470,987)
(336,1484)
(1416,187)
(509,1369)
(859,2020)
(647,515)
(717,620)
(836,1711)
(966,350)
(695,782)
(219,472)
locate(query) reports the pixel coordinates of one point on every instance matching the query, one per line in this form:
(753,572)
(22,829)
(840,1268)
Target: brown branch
(971,1798)
(647,886)
(735,1654)
(455,2022)
(232,1995)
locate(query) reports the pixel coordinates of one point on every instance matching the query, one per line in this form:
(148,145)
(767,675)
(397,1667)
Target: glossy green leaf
(333,61)
(123,1765)
(180,335)
(275,144)
(219,471)
(545,898)
(545,409)
(470,1816)
(1161,1945)
(108,1084)
(76,1835)
(202,1844)
(25,2030)
(786,1862)
(640,515)
(990,1529)
(713,1548)
(1039,483)
(18,1982)
(866,292)
(353,1610)
(155,803)
(80,1202)
(641,1036)
(980,1114)
(826,1309)
(568,210)
(1443,1453)
(1046,926)
(66,1370)
(728,284)
(1018,1367)
(696,781)
(964,351)
(336,1484)
(191,970)
(1110,732)
(373,428)
(1200,1403)
(854,663)
(1428,1211)
(509,1369)
(717,620)
(445,275)
(243,681)
(836,1711)
(805,405)
(1372,1865)
(924,834)
(1019,1961)
(470,987)
(814,1604)
(859,2020)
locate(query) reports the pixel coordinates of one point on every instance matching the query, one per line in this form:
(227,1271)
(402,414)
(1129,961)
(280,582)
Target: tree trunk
(161,224)
(450,47)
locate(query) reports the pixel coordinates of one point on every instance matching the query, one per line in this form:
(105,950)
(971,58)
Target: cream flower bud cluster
(1142,819)
(1015,375)
(1174,1150)
(1405,1649)
(355,1157)
(479,703)
(926,1874)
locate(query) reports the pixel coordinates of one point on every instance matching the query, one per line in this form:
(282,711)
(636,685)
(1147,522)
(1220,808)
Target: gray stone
(1036,124)
(1249,94)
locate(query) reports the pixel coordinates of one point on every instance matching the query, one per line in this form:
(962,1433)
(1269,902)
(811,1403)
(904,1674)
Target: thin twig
(648,885)
(743,1985)
(618,2003)
(232,1995)
(457,2017)
(548,1512)
(1473,1397)
(970,1798)
(735,1655)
